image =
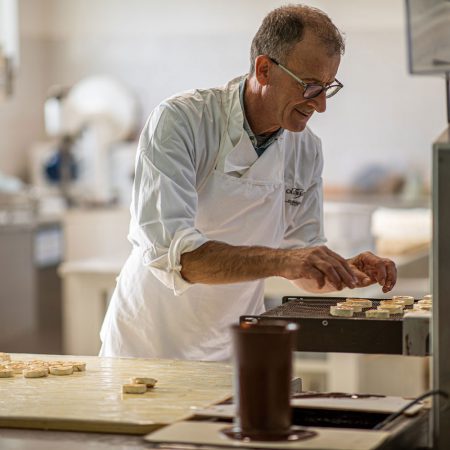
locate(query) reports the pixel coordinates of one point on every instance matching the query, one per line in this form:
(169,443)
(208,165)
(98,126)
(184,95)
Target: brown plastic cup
(262,377)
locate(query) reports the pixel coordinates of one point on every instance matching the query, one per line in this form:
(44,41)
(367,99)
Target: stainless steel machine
(429,54)
(441,288)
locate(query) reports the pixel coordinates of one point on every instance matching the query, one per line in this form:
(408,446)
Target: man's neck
(258,115)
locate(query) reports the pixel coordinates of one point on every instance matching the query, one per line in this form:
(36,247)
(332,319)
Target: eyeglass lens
(314,90)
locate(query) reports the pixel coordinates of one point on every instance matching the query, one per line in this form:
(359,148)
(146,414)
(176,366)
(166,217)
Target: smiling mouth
(304,113)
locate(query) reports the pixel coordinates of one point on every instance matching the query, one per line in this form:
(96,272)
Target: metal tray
(321,332)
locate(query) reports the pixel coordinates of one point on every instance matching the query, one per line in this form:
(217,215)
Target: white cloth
(198,178)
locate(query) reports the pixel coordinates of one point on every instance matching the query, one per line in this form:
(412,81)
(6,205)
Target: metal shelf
(321,332)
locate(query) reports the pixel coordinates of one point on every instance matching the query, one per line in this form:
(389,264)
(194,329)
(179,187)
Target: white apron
(146,319)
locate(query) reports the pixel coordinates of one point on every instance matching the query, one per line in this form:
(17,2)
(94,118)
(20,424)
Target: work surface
(93,401)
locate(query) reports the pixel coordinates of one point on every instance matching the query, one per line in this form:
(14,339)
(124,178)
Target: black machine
(321,332)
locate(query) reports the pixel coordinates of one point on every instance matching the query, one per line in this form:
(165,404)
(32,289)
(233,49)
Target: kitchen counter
(12,439)
(383,200)
(92,400)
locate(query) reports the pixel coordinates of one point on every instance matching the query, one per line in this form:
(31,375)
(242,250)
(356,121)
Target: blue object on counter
(54,165)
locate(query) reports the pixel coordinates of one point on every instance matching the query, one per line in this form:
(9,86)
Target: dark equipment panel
(321,332)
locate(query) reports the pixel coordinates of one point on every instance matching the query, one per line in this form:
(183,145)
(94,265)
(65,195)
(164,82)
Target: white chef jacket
(192,154)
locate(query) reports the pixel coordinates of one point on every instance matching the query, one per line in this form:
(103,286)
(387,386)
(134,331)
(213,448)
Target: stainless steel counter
(12,439)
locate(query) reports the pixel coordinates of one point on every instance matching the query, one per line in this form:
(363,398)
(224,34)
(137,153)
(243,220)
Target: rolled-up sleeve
(164,200)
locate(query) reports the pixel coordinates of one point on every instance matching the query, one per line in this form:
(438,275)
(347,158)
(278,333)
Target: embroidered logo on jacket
(294,196)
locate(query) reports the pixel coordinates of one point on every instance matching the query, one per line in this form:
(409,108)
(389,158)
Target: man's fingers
(317,275)
(349,280)
(327,267)
(373,266)
(330,273)
(381,270)
(363,279)
(335,268)
(391,276)
(380,273)
(342,264)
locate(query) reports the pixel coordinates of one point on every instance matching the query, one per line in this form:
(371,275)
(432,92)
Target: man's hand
(314,269)
(370,268)
(322,265)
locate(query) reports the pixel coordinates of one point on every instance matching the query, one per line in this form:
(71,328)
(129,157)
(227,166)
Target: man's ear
(262,69)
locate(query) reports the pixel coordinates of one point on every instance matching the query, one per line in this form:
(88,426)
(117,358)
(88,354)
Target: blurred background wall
(384,116)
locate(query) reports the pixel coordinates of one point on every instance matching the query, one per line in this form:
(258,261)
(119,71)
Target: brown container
(262,376)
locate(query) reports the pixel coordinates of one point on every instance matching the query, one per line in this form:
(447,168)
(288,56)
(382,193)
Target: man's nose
(319,103)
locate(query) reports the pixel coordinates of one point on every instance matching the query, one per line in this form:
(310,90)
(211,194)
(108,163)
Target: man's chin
(296,127)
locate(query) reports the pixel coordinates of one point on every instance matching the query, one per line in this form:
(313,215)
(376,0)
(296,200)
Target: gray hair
(285,26)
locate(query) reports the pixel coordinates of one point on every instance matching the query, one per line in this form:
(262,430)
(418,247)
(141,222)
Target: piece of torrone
(364,302)
(377,314)
(61,370)
(341,311)
(407,300)
(149,382)
(6,373)
(134,388)
(17,367)
(423,307)
(425,302)
(356,308)
(5,356)
(35,373)
(392,308)
(78,366)
(38,366)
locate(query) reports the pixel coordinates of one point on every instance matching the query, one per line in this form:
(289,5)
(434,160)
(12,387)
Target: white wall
(158,48)
(21,120)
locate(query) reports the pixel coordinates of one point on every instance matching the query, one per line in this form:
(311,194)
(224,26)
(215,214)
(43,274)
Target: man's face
(311,62)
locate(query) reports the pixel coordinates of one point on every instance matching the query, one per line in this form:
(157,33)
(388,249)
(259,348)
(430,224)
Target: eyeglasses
(312,90)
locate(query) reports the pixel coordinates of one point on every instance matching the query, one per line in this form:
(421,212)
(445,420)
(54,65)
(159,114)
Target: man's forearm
(220,263)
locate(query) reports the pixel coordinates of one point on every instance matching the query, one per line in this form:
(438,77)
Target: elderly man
(228,191)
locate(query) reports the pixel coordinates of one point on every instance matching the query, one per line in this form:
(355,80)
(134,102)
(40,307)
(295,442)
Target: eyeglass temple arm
(288,71)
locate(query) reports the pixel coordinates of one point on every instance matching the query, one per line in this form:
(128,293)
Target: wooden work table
(93,400)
